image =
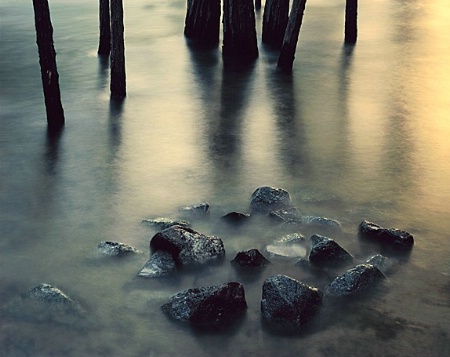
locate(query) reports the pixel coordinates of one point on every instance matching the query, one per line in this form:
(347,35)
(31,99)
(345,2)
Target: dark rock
(267,199)
(381,262)
(199,209)
(250,259)
(163,223)
(322,222)
(326,251)
(49,294)
(115,249)
(288,216)
(302,263)
(187,246)
(236,217)
(160,264)
(354,281)
(391,236)
(289,246)
(287,303)
(212,306)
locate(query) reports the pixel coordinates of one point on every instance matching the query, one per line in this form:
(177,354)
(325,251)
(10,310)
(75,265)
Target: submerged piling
(118,82)
(47,61)
(351,19)
(104,45)
(239,30)
(202,22)
(275,19)
(287,53)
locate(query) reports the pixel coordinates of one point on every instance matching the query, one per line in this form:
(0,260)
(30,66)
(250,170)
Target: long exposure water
(354,133)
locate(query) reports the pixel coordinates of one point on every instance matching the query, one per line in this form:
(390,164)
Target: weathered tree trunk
(287,53)
(118,83)
(202,22)
(104,46)
(351,16)
(275,19)
(239,30)
(47,60)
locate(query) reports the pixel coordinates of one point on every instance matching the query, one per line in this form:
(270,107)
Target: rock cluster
(286,303)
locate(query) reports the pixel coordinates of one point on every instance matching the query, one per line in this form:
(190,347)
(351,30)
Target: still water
(354,133)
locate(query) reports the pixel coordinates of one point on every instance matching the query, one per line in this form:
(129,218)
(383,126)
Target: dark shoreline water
(352,135)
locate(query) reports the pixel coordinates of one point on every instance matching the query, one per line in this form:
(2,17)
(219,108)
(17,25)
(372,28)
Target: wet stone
(163,223)
(325,250)
(289,304)
(381,262)
(199,209)
(205,307)
(115,249)
(266,199)
(159,265)
(251,258)
(390,236)
(288,216)
(49,294)
(236,217)
(322,222)
(188,246)
(354,281)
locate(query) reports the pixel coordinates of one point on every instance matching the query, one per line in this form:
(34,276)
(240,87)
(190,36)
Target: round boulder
(266,199)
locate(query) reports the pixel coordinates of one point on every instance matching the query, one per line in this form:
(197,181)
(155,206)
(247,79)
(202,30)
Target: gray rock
(251,258)
(391,236)
(49,294)
(160,264)
(115,249)
(325,251)
(289,246)
(212,306)
(381,262)
(199,209)
(288,216)
(289,304)
(266,199)
(354,281)
(322,222)
(236,217)
(163,223)
(188,246)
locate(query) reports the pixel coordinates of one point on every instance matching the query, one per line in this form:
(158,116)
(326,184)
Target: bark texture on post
(239,30)
(117,85)
(351,19)
(287,53)
(104,45)
(275,19)
(47,61)
(202,22)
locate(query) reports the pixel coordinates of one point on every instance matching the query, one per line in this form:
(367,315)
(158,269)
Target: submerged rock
(160,264)
(325,250)
(288,216)
(289,304)
(163,223)
(115,249)
(187,246)
(266,199)
(212,306)
(354,281)
(322,222)
(199,209)
(392,236)
(381,262)
(289,246)
(236,217)
(50,294)
(251,258)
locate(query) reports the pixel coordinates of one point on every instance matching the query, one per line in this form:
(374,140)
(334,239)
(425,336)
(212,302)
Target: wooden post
(118,83)
(257,4)
(239,30)
(202,22)
(275,19)
(287,53)
(47,60)
(104,46)
(351,19)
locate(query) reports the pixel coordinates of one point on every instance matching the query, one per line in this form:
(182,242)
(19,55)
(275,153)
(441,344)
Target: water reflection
(51,154)
(115,124)
(103,71)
